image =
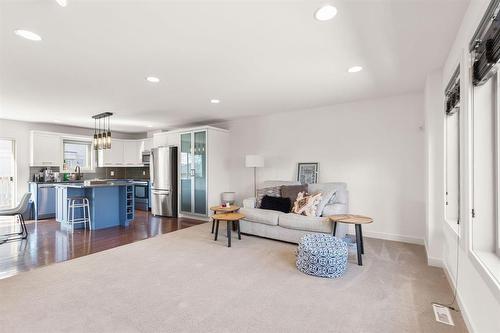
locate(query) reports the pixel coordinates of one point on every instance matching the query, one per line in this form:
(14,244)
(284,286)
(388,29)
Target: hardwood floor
(48,243)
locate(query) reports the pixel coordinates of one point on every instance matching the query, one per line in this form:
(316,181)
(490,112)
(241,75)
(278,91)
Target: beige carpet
(185,282)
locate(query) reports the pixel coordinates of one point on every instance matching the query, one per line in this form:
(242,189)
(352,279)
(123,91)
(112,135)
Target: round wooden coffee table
(229,218)
(222,209)
(357,220)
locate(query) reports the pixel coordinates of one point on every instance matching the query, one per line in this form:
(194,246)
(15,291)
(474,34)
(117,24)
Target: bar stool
(78,202)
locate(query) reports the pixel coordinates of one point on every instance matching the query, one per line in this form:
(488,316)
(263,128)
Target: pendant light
(102,135)
(96,147)
(108,142)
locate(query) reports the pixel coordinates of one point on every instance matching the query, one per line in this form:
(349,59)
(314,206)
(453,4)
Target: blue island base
(110,205)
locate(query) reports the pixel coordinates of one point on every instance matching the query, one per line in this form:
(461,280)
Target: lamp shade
(228,197)
(254,161)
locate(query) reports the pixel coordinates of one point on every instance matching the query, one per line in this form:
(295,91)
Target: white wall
(20,132)
(375,146)
(434,125)
(479,301)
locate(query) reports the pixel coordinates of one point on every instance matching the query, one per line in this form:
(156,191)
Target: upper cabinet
(165,139)
(45,149)
(146,145)
(132,153)
(122,153)
(112,156)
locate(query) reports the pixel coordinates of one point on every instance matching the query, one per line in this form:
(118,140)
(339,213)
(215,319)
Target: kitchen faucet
(78,172)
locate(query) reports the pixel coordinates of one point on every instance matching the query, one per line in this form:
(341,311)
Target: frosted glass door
(186,172)
(200,172)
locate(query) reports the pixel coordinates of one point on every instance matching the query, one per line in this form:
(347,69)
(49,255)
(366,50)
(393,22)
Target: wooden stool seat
(357,220)
(229,218)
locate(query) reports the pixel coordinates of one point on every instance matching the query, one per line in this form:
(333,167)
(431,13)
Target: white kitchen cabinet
(203,161)
(160,140)
(113,156)
(132,155)
(165,139)
(45,149)
(146,145)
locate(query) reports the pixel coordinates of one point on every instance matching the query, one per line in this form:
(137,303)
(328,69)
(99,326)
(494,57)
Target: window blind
(485,45)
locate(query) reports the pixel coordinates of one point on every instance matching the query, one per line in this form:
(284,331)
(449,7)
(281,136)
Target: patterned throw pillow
(306,204)
(274,191)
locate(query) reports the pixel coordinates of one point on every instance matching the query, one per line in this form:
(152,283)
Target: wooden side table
(357,220)
(229,218)
(222,210)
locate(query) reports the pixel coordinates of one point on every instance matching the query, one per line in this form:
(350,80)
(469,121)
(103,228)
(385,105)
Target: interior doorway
(7,173)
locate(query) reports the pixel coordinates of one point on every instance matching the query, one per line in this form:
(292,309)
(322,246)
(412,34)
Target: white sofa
(290,227)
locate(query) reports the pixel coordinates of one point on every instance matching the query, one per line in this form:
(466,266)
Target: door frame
(14,152)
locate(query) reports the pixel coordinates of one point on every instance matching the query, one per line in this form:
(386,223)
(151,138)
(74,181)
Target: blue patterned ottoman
(322,255)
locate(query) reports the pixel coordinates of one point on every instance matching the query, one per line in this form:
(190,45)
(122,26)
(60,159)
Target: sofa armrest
(249,203)
(335,209)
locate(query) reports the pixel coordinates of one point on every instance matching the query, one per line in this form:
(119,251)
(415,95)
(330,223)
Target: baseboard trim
(463,310)
(393,237)
(431,261)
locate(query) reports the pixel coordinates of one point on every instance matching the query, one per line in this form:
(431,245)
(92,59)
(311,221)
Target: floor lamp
(254,161)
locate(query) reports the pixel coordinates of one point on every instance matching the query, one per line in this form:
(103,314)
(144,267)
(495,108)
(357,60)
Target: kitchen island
(111,204)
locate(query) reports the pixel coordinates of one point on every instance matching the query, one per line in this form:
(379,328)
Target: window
(77,153)
(452,157)
(485,225)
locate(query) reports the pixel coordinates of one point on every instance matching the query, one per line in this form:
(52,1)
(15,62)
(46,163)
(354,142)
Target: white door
(7,173)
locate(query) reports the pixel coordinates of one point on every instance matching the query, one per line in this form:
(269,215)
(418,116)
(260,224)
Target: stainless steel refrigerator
(163,173)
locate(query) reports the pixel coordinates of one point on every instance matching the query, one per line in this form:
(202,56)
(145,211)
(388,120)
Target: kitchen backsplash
(105,173)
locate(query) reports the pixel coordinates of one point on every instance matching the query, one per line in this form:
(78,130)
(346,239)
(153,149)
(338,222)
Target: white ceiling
(257,57)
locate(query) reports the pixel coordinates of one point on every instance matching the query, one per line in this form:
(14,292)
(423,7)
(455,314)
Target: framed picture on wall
(307,173)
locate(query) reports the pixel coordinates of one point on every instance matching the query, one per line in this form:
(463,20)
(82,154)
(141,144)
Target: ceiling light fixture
(325,13)
(355,69)
(215,101)
(152,79)
(102,136)
(62,3)
(28,35)
(150,126)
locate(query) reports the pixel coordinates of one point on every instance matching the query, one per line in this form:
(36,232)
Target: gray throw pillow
(324,201)
(291,191)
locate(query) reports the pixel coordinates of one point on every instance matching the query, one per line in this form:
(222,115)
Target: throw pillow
(306,204)
(274,191)
(324,201)
(275,203)
(291,191)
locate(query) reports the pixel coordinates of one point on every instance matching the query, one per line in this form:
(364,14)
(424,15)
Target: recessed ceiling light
(28,35)
(150,126)
(62,3)
(355,69)
(57,121)
(152,79)
(325,13)
(214,101)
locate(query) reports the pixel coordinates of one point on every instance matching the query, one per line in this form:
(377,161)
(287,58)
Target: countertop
(81,181)
(82,185)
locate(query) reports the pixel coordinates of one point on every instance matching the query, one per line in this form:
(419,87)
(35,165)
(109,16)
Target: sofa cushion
(305,223)
(264,216)
(274,203)
(291,192)
(325,199)
(274,191)
(339,188)
(334,209)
